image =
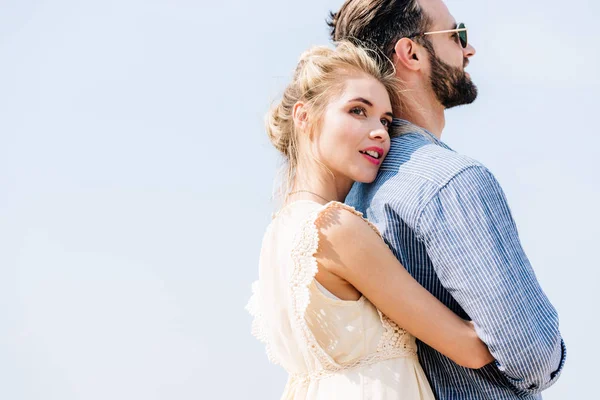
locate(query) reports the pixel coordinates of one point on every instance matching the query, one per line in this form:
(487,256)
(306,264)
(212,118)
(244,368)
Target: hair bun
(277,123)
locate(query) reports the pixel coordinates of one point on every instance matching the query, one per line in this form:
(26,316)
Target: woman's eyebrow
(367,102)
(362,100)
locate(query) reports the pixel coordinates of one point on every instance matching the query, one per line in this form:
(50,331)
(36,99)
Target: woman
(334,306)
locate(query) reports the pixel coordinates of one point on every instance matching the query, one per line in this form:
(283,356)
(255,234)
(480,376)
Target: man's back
(446,219)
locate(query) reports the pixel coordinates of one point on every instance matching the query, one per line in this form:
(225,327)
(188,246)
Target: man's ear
(408,54)
(300,116)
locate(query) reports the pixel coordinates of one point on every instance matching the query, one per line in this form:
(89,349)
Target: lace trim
(258,324)
(365,361)
(305,246)
(393,337)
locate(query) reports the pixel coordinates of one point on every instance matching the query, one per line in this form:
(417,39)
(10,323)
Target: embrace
(394,269)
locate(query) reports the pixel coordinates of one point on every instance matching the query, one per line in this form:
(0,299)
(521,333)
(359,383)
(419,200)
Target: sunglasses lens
(463,35)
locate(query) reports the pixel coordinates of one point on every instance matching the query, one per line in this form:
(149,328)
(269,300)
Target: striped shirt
(446,219)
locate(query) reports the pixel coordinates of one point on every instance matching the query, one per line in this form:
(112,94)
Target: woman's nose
(379,134)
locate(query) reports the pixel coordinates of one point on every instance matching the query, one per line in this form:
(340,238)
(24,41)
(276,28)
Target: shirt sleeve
(472,241)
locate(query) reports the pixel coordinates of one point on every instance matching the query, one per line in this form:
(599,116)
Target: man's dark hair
(378,23)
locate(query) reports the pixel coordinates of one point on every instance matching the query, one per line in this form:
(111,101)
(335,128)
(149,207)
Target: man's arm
(474,246)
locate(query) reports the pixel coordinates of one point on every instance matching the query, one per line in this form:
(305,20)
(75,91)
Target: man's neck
(426,113)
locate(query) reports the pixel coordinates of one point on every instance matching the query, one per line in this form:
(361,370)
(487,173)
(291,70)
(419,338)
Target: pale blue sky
(136,181)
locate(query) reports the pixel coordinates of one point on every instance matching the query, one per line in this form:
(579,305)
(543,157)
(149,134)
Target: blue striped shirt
(446,219)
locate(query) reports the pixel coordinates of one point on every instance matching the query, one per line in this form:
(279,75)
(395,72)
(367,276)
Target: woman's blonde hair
(320,75)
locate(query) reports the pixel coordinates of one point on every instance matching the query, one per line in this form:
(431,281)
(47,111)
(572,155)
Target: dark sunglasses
(461,30)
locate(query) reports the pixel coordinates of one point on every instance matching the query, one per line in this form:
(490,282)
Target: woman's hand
(488,358)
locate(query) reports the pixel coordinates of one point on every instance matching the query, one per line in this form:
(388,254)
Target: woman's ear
(408,55)
(300,116)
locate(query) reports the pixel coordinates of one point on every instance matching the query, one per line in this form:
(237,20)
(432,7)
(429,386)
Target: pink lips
(372,160)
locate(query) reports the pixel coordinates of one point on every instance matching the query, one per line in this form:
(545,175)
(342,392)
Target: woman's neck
(320,186)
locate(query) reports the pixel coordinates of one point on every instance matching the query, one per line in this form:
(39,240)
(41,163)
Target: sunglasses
(461,30)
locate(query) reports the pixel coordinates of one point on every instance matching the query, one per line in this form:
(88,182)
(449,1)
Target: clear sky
(136,176)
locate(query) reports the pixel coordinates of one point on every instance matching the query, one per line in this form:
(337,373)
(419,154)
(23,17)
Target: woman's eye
(359,111)
(385,122)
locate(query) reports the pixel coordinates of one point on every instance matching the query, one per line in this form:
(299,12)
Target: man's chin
(473,92)
(453,87)
(467,95)
(462,102)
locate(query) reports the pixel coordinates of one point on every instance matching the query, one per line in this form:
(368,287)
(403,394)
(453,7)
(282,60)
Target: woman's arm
(350,249)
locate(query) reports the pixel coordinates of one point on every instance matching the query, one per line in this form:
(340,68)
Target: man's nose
(469,51)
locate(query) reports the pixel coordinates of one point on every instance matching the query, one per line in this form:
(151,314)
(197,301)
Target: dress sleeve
(259,328)
(305,269)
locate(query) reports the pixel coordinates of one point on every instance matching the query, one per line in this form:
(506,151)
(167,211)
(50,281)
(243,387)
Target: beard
(451,85)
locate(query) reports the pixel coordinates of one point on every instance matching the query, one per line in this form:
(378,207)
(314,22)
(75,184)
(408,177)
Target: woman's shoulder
(342,219)
(307,221)
(297,210)
(333,213)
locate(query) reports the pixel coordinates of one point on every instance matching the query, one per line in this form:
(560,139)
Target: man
(444,215)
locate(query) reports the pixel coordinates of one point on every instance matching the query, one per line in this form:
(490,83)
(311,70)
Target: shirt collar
(401,127)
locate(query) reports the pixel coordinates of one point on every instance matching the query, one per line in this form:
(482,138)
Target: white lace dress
(331,348)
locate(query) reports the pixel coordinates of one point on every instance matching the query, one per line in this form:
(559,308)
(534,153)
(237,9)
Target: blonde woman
(334,306)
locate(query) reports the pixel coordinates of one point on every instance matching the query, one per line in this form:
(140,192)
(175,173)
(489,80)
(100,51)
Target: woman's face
(354,139)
